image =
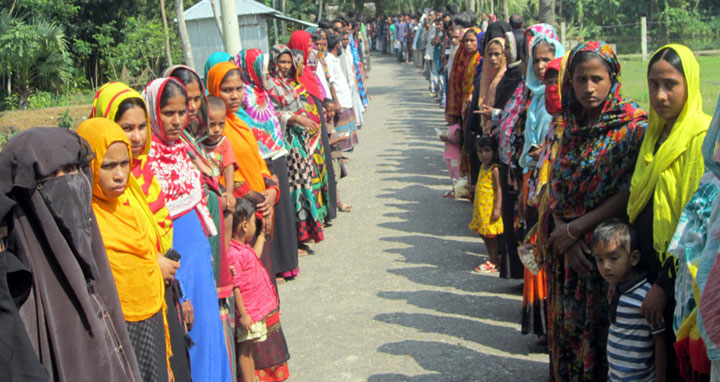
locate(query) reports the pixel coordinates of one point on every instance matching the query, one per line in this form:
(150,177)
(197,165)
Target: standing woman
(462,75)
(131,245)
(126,107)
(263,121)
(298,127)
(255,182)
(667,174)
(590,183)
(74,303)
(302,41)
(169,160)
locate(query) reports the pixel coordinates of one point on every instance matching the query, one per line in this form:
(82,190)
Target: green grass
(634,81)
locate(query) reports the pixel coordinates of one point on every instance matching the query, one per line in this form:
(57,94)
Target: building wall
(205,39)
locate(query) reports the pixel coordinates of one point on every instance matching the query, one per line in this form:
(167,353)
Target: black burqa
(72,315)
(18,361)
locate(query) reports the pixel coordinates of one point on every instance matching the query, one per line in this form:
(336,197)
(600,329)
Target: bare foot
(342,207)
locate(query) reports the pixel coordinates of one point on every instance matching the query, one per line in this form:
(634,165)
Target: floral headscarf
(263,119)
(595,162)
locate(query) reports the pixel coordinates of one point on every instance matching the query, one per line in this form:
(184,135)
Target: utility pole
(231,30)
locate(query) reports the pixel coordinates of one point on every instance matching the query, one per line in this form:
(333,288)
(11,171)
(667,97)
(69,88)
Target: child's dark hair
(172,89)
(244,210)
(486,141)
(615,231)
(215,103)
(670,55)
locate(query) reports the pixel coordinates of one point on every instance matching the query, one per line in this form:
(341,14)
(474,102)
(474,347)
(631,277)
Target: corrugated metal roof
(203,9)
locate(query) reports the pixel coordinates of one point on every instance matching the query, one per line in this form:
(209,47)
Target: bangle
(567,228)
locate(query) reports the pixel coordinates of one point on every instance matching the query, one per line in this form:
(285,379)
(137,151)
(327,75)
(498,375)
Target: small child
(255,296)
(452,153)
(221,157)
(635,350)
(487,218)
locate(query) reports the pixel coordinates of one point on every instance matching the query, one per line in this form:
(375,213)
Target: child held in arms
(635,350)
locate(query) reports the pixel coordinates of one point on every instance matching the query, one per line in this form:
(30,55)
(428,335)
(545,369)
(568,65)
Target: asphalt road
(389,295)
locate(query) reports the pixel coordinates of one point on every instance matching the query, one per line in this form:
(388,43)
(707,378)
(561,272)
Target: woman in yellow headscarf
(667,173)
(131,245)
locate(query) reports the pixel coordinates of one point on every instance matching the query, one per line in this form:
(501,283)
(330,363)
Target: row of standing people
(148,244)
(606,211)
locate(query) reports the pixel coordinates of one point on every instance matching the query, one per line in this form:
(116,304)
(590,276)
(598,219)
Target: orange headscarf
(252,169)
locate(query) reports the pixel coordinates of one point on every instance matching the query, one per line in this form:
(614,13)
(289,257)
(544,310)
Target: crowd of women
(551,150)
(125,242)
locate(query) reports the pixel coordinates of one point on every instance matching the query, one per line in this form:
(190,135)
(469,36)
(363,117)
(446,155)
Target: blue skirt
(208,358)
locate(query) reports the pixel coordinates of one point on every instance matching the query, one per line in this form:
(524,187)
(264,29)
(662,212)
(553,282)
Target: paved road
(389,295)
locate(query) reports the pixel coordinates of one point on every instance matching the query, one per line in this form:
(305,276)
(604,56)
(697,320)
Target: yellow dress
(484,204)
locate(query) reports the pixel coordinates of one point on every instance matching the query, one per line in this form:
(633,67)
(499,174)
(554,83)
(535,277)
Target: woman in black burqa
(72,315)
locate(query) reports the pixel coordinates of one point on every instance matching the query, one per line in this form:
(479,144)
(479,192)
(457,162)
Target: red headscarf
(300,40)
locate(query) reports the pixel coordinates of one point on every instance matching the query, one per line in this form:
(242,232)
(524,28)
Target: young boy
(635,350)
(221,157)
(336,154)
(255,296)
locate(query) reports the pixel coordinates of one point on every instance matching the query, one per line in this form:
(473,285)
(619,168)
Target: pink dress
(452,153)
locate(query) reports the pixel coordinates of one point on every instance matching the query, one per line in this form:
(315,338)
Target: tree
(166,32)
(546,11)
(184,37)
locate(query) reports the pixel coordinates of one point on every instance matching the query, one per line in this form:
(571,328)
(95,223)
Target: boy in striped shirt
(635,350)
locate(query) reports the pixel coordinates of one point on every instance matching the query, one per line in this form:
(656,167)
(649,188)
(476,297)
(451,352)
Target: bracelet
(567,228)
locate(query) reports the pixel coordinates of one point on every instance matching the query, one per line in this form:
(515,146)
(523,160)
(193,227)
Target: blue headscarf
(215,58)
(538,119)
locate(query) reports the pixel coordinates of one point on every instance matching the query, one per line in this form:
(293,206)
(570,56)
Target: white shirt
(337,79)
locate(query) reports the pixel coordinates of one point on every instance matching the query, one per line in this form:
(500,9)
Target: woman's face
(114,170)
(173,117)
(542,55)
(285,63)
(194,98)
(232,92)
(667,89)
(300,68)
(134,124)
(591,83)
(494,55)
(470,42)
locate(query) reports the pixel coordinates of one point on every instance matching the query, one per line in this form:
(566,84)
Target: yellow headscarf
(671,175)
(107,101)
(130,243)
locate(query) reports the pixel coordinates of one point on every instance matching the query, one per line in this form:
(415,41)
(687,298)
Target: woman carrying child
(254,181)
(667,174)
(487,217)
(589,184)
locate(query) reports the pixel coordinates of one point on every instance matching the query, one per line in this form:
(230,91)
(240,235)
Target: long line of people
(607,212)
(148,245)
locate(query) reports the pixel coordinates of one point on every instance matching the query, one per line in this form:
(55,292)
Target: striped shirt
(630,346)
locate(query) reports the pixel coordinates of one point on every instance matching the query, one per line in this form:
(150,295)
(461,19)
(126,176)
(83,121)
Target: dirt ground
(17,120)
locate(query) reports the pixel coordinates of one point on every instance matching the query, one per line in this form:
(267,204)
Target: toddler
(336,154)
(452,153)
(255,296)
(635,350)
(220,154)
(487,219)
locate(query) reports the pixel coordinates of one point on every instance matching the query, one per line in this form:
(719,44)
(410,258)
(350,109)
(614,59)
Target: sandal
(342,207)
(487,267)
(449,194)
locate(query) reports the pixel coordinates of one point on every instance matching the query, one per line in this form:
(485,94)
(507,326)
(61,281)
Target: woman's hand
(559,239)
(270,195)
(535,153)
(168,268)
(484,110)
(653,306)
(577,259)
(305,122)
(188,314)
